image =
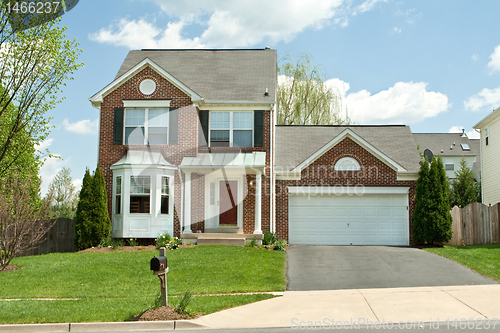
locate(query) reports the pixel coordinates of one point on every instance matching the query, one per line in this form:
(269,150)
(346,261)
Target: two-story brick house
(188,145)
(185,142)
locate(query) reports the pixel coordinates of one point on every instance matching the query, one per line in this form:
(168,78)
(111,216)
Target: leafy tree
(21,220)
(464,190)
(304,98)
(62,190)
(92,223)
(34,64)
(432,220)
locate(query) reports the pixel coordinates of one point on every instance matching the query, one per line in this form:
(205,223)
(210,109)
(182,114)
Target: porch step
(221,241)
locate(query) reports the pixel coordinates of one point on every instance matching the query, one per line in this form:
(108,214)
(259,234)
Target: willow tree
(304,98)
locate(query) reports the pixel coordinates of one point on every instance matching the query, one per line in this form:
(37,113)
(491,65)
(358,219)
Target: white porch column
(187,203)
(258,200)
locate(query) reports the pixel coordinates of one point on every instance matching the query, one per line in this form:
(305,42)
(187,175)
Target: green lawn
(113,286)
(484,259)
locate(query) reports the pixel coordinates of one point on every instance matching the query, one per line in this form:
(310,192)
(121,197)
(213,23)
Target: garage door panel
(371,219)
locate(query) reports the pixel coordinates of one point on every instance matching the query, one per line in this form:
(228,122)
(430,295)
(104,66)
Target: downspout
(481,153)
(181,218)
(273,179)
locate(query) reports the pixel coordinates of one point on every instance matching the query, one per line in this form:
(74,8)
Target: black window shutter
(173,123)
(258,129)
(118,126)
(203,140)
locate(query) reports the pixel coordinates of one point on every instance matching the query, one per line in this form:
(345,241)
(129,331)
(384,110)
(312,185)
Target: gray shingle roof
(443,141)
(294,144)
(216,75)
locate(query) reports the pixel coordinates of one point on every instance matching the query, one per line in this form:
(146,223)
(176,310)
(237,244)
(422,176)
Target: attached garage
(348,216)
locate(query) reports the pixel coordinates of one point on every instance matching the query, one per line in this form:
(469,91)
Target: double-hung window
(140,190)
(146,126)
(118,195)
(231,129)
(164,195)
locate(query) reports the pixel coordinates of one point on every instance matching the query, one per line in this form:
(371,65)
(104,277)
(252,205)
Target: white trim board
(356,138)
(349,190)
(146,103)
(97,99)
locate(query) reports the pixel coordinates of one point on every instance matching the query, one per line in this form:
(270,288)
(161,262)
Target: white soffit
(348,190)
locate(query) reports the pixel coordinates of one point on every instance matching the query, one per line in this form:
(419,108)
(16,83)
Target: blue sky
(433,65)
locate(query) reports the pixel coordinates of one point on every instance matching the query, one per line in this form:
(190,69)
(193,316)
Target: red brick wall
(321,173)
(110,153)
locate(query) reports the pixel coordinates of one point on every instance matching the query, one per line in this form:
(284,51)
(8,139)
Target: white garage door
(369,219)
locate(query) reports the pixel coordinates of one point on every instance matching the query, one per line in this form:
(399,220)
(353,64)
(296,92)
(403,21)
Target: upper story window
(140,189)
(231,129)
(146,126)
(448,165)
(486,135)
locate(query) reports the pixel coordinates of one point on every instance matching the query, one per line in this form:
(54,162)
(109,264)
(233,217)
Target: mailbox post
(159,267)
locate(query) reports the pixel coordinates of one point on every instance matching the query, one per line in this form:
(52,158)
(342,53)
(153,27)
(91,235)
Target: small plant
(280,245)
(174,243)
(105,242)
(183,304)
(253,242)
(158,300)
(163,240)
(132,242)
(117,243)
(269,238)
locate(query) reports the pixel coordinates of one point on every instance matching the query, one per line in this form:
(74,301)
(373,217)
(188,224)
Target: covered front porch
(222,197)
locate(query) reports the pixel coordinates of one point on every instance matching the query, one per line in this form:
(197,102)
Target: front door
(228,207)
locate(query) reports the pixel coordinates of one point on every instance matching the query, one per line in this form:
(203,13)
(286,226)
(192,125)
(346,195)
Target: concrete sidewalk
(425,304)
(299,308)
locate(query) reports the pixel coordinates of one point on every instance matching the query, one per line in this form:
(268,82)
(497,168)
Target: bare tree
(304,98)
(63,194)
(22,226)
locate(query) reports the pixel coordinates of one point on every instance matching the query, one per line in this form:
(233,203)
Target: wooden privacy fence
(60,238)
(475,224)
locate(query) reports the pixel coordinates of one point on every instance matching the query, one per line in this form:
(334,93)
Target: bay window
(118,195)
(164,195)
(140,190)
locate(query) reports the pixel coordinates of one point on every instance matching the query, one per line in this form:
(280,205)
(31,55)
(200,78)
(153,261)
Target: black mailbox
(158,263)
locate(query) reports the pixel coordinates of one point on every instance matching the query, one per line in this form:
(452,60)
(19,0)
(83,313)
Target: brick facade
(321,173)
(188,127)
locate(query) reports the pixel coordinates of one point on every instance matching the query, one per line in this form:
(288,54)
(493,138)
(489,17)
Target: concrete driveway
(364,267)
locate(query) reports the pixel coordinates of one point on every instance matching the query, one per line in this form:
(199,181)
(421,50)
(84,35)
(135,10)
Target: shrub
(183,304)
(174,243)
(162,240)
(280,245)
(253,242)
(269,238)
(92,223)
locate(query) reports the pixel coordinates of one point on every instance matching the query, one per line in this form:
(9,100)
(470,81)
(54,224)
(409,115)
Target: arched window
(348,164)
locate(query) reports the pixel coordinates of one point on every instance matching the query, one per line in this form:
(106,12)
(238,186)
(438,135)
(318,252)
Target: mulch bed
(10,268)
(163,313)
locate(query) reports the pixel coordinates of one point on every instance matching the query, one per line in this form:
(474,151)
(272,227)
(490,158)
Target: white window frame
(169,195)
(146,124)
(354,165)
(118,194)
(231,128)
(130,193)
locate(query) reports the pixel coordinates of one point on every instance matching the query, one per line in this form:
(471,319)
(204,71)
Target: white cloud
(396,30)
(44,145)
(470,134)
(404,103)
(49,170)
(85,126)
(485,98)
(229,23)
(475,57)
(77,183)
(494,63)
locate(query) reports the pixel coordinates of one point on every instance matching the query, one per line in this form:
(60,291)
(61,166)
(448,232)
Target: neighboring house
(490,157)
(188,145)
(452,147)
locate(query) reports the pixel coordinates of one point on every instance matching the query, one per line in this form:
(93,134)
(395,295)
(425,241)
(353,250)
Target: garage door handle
(348,225)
